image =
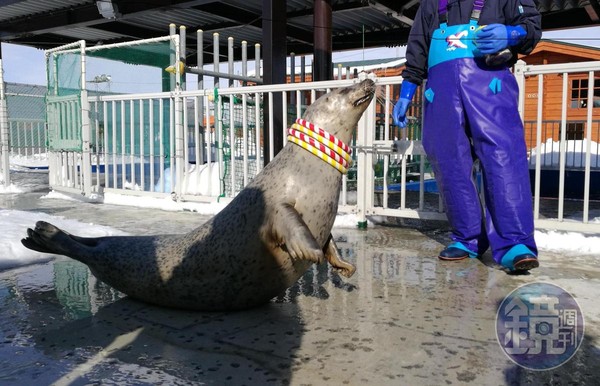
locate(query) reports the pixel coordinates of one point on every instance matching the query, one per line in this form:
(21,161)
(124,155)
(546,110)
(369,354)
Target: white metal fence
(136,146)
(27,137)
(25,128)
(568,165)
(207,144)
(220,151)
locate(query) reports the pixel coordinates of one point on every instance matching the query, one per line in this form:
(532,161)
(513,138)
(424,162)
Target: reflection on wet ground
(404,318)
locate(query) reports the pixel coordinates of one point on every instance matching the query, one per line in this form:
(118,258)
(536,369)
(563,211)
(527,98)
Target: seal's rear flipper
(47,238)
(29,242)
(333,256)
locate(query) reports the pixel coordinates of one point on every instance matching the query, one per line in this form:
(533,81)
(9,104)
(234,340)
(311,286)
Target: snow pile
(34,161)
(575,153)
(10,189)
(572,242)
(13,227)
(198,179)
(166,203)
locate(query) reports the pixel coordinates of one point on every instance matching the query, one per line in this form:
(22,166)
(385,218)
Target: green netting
(64,73)
(63,100)
(122,69)
(154,54)
(136,68)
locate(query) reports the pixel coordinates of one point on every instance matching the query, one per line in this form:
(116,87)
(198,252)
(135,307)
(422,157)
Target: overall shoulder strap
(477,7)
(443,10)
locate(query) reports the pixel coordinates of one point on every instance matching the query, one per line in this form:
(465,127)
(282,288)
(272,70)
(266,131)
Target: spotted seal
(251,251)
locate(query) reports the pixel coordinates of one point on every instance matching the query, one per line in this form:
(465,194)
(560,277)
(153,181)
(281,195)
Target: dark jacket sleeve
(419,38)
(514,13)
(525,14)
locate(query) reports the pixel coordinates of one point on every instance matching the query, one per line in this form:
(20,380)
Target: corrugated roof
(355,23)
(29,8)
(88,34)
(560,5)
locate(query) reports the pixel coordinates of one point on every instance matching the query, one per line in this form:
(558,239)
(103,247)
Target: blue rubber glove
(399,113)
(516,34)
(407,91)
(495,37)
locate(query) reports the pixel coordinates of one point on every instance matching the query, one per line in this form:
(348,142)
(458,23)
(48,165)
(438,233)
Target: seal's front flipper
(333,256)
(293,236)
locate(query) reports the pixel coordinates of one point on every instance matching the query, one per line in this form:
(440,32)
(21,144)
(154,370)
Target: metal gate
(68,120)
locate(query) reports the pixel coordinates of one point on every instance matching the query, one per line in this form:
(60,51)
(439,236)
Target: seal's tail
(47,238)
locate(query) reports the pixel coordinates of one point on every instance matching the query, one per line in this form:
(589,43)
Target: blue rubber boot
(519,259)
(456,251)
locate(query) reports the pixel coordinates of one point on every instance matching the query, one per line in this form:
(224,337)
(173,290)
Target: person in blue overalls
(465,49)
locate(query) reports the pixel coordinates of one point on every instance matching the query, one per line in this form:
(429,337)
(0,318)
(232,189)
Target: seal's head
(338,112)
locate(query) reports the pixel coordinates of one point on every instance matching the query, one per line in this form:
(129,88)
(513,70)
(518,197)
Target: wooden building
(554,52)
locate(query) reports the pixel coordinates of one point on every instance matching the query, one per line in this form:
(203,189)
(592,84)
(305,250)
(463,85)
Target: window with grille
(575,130)
(579,93)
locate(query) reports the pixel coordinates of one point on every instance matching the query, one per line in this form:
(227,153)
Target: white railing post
(563,146)
(4,132)
(180,166)
(203,129)
(86,156)
(520,77)
(538,145)
(588,147)
(364,170)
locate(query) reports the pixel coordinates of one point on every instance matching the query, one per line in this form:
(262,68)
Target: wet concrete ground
(404,318)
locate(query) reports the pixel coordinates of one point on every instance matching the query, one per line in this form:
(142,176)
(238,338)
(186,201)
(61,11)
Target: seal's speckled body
(256,247)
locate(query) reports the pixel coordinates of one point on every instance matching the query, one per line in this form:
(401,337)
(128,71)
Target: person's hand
(407,91)
(492,38)
(399,113)
(495,37)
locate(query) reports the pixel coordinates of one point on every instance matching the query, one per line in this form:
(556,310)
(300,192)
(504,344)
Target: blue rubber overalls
(471,112)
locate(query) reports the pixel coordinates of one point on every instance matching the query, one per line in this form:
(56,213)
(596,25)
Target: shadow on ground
(76,330)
